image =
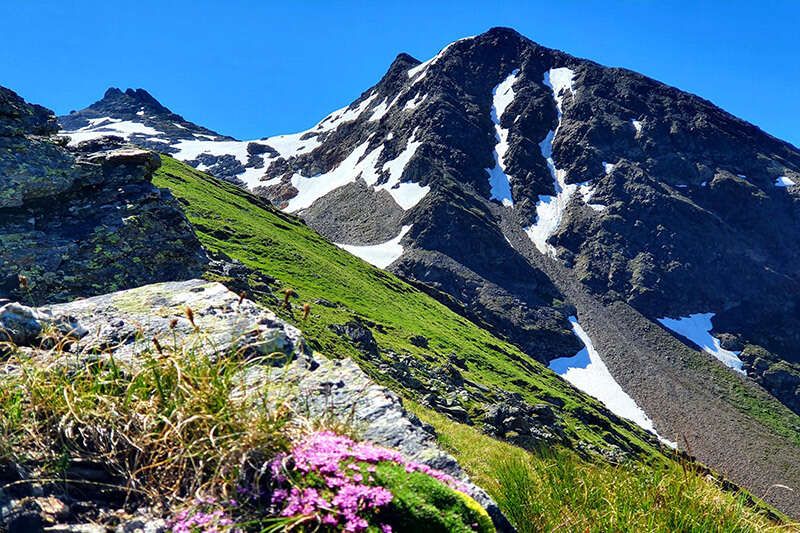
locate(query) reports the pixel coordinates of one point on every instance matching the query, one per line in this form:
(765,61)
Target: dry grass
(170,428)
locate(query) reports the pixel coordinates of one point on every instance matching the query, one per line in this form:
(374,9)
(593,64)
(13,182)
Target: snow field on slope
(587,372)
(105,126)
(406,194)
(502,96)
(697,328)
(380,255)
(550,209)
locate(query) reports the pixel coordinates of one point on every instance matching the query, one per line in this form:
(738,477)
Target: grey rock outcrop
(86,221)
(123,324)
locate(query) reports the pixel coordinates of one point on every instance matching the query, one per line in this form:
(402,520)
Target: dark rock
(325,303)
(260,149)
(419,341)
(359,335)
(85,222)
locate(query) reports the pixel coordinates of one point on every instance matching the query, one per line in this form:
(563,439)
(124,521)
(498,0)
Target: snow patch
(382,108)
(315,187)
(697,328)
(415,102)
(609,167)
(500,182)
(587,191)
(637,125)
(345,114)
(784,181)
(550,209)
(361,163)
(290,145)
(381,255)
(252,178)
(189,150)
(587,372)
(406,194)
(379,111)
(104,126)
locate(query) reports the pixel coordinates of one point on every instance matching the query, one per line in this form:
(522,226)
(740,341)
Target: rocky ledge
(122,325)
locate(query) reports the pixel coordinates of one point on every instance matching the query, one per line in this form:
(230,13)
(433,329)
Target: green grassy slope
(555,490)
(654,493)
(232,221)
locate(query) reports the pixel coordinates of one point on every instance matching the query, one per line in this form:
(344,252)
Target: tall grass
(170,426)
(554,489)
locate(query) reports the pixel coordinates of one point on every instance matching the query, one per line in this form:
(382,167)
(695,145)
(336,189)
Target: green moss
(424,504)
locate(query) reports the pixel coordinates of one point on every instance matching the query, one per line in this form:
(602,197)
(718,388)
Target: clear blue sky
(256,68)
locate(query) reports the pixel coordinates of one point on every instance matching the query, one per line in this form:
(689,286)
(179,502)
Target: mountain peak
(405,59)
(112,92)
(144,121)
(133,98)
(503,31)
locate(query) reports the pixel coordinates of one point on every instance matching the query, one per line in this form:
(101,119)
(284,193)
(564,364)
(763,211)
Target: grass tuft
(171,427)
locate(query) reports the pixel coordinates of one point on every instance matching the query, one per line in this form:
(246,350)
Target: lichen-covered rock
(127,321)
(82,222)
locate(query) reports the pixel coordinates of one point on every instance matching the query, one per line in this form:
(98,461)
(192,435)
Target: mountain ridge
(651,197)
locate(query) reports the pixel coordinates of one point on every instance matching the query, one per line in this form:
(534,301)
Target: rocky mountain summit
(137,117)
(526,187)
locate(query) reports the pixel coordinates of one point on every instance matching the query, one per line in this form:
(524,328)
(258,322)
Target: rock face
(83,221)
(320,387)
(677,211)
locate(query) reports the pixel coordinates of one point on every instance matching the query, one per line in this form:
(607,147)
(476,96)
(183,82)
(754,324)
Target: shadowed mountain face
(627,201)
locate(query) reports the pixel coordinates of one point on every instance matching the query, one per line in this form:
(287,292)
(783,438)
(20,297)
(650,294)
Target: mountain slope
(529,186)
(460,361)
(71,375)
(403,336)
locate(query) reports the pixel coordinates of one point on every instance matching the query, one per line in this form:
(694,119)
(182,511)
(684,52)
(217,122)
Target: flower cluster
(207,515)
(329,478)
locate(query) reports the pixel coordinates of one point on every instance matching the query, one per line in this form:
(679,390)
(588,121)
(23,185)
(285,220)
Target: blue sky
(256,68)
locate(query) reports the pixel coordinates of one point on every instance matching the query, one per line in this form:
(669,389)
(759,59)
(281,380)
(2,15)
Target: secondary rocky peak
(141,98)
(404,60)
(130,101)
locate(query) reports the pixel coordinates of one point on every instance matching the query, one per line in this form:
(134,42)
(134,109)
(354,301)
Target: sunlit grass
(553,489)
